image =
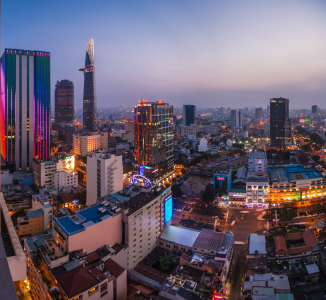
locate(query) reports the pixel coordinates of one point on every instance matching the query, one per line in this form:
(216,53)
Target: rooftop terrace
(84,218)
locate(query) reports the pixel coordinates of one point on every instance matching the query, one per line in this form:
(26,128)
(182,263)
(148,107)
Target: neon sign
(168,209)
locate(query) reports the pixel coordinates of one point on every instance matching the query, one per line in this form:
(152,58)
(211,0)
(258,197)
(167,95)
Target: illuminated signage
(168,209)
(70,162)
(75,201)
(220,178)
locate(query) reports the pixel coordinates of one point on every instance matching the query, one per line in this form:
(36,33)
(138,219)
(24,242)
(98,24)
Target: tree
(82,198)
(209,193)
(315,158)
(183,171)
(18,214)
(168,262)
(176,191)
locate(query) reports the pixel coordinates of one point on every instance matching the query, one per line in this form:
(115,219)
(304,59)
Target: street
(237,272)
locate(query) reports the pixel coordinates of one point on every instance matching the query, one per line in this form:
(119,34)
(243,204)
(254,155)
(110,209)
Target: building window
(104,287)
(93,291)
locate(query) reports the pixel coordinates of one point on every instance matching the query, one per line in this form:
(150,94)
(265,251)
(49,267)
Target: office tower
(228,110)
(236,119)
(268,110)
(258,113)
(25,107)
(280,124)
(64,101)
(153,141)
(89,98)
(104,175)
(246,110)
(314,109)
(189,115)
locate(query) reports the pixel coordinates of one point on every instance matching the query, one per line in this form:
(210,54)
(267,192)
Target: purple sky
(223,53)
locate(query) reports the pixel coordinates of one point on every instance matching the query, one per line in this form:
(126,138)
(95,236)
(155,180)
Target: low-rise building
(295,184)
(265,285)
(31,224)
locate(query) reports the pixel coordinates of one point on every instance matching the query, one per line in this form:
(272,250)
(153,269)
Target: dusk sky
(208,53)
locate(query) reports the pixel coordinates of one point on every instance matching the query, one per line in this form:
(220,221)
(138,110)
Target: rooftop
(138,201)
(35,214)
(83,219)
(77,280)
(257,242)
(291,173)
(209,239)
(257,155)
(180,235)
(115,269)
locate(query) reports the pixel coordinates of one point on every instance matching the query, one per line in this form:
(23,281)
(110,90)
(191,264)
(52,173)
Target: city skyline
(183,53)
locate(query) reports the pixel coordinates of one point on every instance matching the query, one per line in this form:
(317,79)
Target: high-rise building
(64,101)
(89,98)
(189,115)
(258,113)
(25,107)
(153,141)
(314,109)
(280,124)
(268,110)
(236,119)
(104,173)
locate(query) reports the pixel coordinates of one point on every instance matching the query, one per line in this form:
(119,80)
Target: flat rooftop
(138,202)
(292,173)
(82,219)
(180,235)
(257,155)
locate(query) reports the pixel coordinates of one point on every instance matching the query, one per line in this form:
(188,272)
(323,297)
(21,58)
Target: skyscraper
(236,119)
(314,109)
(89,98)
(153,141)
(189,115)
(25,107)
(258,113)
(280,124)
(64,101)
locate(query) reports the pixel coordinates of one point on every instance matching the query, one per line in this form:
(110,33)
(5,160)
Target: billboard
(168,209)
(70,162)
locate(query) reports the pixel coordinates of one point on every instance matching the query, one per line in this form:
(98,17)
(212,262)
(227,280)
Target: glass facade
(280,124)
(89,98)
(25,107)
(153,139)
(64,101)
(189,115)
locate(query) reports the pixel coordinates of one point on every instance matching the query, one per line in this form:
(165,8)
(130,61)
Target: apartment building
(44,173)
(257,162)
(144,218)
(86,143)
(104,173)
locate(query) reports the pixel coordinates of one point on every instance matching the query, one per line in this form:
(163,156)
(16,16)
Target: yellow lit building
(295,185)
(32,223)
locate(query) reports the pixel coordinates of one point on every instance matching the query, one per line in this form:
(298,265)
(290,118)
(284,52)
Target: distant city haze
(223,53)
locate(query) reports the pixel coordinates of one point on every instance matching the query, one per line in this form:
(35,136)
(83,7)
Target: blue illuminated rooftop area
(292,173)
(83,219)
